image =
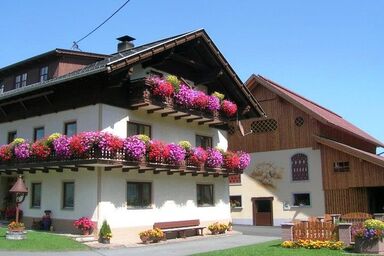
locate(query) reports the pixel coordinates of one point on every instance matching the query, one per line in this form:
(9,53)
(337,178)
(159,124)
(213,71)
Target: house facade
(113,95)
(306,161)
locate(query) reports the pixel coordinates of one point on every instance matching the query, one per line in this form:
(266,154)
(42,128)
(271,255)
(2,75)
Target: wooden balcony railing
(110,161)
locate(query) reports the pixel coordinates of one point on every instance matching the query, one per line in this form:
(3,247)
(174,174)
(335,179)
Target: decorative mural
(267,173)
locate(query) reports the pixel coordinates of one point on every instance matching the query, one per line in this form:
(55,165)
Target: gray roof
(96,67)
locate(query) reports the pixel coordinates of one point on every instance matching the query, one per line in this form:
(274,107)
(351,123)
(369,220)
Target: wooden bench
(180,227)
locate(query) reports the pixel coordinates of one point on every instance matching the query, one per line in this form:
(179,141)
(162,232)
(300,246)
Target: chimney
(125,43)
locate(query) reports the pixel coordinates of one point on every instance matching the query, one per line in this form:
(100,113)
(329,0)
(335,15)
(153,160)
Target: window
(24,79)
(341,166)
(36,195)
(38,133)
(44,74)
(299,167)
(136,128)
(139,194)
(234,179)
(68,195)
(266,125)
(11,136)
(302,199)
(204,195)
(235,201)
(299,121)
(18,81)
(70,128)
(203,141)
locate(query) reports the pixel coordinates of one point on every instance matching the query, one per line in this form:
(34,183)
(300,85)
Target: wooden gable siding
(343,201)
(345,138)
(286,136)
(360,174)
(69,64)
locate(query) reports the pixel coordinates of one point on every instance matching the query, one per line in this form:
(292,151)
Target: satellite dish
(241,128)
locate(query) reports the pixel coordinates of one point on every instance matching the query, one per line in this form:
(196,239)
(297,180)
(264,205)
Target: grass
(40,241)
(272,248)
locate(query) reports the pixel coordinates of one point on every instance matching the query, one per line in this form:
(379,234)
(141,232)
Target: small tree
(105,232)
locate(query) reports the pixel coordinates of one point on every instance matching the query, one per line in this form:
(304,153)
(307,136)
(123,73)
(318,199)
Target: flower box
(374,246)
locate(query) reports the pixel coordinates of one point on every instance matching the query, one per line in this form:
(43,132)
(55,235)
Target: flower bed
(186,97)
(313,244)
(134,148)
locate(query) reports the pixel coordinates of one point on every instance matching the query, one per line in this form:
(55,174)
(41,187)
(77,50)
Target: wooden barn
(306,161)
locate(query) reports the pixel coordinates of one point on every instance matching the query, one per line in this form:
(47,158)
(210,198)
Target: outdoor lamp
(20,190)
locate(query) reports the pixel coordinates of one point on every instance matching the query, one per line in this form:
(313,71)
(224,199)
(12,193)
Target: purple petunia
(22,150)
(185,96)
(62,147)
(213,103)
(214,158)
(176,154)
(245,160)
(134,148)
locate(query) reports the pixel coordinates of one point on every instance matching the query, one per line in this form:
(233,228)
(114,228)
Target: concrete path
(174,248)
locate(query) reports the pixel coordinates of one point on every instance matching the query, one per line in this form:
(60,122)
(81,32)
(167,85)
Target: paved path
(258,230)
(175,248)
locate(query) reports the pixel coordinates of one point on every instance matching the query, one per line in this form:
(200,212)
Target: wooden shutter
(299,167)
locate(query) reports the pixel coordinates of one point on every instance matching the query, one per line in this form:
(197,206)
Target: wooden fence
(314,230)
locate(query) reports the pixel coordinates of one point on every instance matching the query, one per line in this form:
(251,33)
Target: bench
(180,227)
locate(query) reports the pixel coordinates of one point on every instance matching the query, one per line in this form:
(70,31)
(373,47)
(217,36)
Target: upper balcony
(171,97)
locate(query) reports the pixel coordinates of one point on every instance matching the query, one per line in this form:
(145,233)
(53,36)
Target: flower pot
(105,240)
(369,246)
(85,232)
(144,239)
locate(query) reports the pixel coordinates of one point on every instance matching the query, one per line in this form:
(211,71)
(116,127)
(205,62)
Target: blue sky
(329,51)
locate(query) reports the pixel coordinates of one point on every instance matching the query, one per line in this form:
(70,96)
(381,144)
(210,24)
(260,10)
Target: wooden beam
(3,112)
(151,111)
(206,121)
(181,116)
(169,113)
(190,120)
(137,106)
(89,168)
(109,168)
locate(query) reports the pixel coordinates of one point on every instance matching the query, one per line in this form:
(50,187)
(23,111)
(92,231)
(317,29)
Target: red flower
(163,89)
(158,152)
(231,160)
(229,108)
(77,146)
(5,153)
(40,150)
(201,100)
(83,223)
(197,156)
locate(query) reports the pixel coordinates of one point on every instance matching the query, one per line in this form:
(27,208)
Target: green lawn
(272,249)
(40,241)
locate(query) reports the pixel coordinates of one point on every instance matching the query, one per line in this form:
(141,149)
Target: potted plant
(105,233)
(152,235)
(369,236)
(85,225)
(218,228)
(16,226)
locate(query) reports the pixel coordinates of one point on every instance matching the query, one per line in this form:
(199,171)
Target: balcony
(141,97)
(97,149)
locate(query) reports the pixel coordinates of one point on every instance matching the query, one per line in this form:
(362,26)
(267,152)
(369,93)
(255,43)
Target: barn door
(262,211)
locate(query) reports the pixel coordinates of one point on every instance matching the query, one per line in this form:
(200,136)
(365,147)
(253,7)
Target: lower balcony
(98,149)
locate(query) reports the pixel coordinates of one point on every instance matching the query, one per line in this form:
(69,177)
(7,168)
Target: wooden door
(262,211)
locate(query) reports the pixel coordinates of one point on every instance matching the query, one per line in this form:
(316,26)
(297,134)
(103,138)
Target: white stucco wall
(86,118)
(163,128)
(173,197)
(52,194)
(284,188)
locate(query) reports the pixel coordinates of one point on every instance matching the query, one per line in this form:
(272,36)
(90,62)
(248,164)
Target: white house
(72,92)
